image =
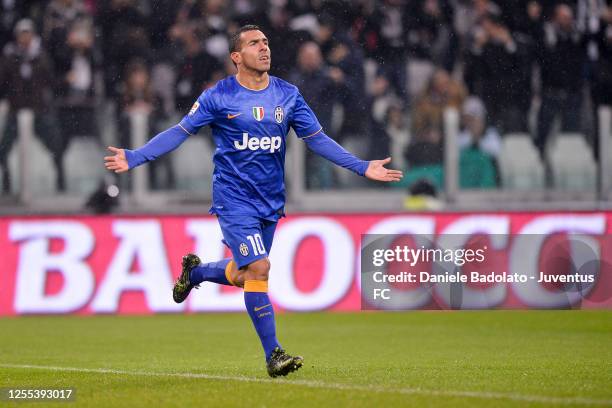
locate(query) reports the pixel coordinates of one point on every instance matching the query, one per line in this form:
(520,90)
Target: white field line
(332,386)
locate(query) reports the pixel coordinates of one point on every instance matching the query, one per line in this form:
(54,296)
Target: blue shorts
(249,238)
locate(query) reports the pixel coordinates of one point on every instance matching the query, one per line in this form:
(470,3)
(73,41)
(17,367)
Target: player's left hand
(377,171)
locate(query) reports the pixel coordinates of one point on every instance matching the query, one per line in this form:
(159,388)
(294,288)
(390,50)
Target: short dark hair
(234,42)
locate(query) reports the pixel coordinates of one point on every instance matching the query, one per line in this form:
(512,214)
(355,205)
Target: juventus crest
(278,114)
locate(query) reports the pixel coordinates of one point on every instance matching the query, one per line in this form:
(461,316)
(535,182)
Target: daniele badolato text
(447,264)
(476,277)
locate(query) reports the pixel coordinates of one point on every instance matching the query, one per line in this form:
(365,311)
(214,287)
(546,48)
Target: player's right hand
(377,171)
(117,163)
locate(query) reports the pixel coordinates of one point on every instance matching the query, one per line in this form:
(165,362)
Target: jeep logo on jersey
(258,113)
(278,114)
(253,143)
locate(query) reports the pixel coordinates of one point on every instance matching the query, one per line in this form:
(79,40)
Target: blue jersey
(250,133)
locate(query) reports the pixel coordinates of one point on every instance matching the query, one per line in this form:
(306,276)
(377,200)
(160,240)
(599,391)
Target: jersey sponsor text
(253,143)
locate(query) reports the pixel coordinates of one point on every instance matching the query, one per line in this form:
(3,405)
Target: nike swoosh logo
(230,116)
(257,309)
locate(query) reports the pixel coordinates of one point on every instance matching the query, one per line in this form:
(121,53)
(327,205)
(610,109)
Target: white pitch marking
(332,386)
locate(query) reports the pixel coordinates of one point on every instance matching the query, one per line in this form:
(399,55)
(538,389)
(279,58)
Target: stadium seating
(193,164)
(572,164)
(83,165)
(519,163)
(42,171)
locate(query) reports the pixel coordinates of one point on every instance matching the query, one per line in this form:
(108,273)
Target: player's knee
(259,270)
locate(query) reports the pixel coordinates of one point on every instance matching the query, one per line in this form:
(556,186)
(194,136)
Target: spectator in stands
(549,6)
(345,60)
(59,16)
(136,92)
(286,42)
(214,22)
(474,129)
(313,78)
(523,16)
(442,92)
(137,97)
(74,72)
(165,15)
(26,74)
(498,69)
(425,153)
(316,82)
(589,15)
(469,12)
(245,11)
(380,98)
(125,35)
(383,36)
(399,133)
(10,13)
(381,95)
(196,69)
(479,147)
(430,34)
(562,56)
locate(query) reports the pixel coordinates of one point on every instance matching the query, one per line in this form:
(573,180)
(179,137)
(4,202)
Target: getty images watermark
(402,272)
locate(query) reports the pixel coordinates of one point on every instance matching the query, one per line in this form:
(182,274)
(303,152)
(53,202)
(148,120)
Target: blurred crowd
(378,73)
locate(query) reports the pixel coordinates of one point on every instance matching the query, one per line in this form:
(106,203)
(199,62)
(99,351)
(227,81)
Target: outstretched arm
(326,147)
(165,142)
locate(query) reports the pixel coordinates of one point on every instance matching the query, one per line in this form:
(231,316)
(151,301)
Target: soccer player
(250,115)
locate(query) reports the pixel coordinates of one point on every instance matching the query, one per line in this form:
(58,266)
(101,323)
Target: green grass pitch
(437,359)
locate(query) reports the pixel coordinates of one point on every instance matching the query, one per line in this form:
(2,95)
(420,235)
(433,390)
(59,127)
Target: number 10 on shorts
(257,244)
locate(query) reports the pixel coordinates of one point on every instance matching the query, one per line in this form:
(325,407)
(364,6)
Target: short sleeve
(201,114)
(304,121)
